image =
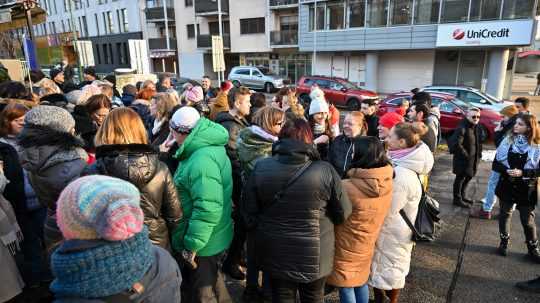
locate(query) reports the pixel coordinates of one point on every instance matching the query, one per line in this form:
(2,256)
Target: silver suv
(471,95)
(255,78)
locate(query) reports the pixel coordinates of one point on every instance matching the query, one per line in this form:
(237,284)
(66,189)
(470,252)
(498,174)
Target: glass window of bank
(344,14)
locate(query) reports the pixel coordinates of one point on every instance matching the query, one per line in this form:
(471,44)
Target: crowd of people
(151,195)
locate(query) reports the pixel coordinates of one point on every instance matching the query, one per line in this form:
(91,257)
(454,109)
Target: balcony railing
(205,41)
(161,43)
(283,3)
(283,38)
(156,14)
(210,7)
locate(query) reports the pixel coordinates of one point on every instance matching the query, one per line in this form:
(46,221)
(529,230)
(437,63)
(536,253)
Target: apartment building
(255,32)
(109,24)
(393,45)
(159,25)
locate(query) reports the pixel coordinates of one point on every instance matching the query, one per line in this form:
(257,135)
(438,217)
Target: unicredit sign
(485,33)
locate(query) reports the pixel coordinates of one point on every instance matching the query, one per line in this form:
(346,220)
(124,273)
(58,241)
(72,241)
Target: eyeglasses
(475,117)
(280,123)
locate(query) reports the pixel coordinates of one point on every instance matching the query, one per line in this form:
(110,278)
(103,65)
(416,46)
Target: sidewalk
(461,266)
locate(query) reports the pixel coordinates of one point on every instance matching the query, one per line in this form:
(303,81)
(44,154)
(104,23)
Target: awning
(529,53)
(18,16)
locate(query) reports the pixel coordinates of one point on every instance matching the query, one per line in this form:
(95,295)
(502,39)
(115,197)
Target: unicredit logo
(458,34)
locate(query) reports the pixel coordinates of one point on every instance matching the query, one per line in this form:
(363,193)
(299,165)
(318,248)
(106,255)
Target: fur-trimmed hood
(33,136)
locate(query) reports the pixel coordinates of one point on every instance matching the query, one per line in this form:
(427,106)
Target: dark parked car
(338,91)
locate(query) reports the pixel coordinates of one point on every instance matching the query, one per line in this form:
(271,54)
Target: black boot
(460,203)
(531,285)
(234,271)
(503,247)
(534,252)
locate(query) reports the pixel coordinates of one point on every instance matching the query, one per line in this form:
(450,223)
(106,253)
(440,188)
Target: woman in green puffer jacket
(254,143)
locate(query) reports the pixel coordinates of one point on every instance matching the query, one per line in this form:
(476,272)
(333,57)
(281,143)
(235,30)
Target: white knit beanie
(318,106)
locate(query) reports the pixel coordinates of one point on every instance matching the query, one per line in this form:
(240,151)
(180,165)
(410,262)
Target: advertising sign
(218,60)
(500,33)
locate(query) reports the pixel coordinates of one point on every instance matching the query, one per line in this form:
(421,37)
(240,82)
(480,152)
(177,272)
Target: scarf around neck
(99,268)
(10,232)
(520,145)
(401,153)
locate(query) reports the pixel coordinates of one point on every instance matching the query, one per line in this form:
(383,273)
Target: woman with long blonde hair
(122,151)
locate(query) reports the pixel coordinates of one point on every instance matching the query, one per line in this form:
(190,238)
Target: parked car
(452,111)
(472,95)
(338,91)
(255,77)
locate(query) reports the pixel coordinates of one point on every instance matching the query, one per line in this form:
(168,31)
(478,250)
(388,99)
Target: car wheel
(305,100)
(484,134)
(353,104)
(236,83)
(268,88)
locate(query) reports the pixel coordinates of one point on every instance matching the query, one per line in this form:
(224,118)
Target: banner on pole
(30,53)
(218,60)
(138,52)
(85,52)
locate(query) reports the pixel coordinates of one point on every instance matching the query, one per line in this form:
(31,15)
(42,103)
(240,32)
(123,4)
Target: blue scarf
(518,144)
(97,268)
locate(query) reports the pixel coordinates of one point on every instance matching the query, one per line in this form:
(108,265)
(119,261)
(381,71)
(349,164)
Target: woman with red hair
(141,106)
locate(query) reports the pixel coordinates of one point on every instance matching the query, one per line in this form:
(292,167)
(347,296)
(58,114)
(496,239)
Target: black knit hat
(90,70)
(54,72)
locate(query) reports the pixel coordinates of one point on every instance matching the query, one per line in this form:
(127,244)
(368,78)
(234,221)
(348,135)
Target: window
(126,51)
(252,26)
(446,107)
(378,12)
(111,53)
(98,55)
(485,10)
(105,27)
(110,22)
(396,102)
(188,3)
(357,13)
(288,23)
(97,24)
(335,12)
(317,19)
(125,21)
(256,73)
(213,27)
(63,26)
(243,72)
(85,25)
(516,9)
(427,11)
(121,54)
(401,12)
(105,54)
(335,86)
(190,31)
(455,11)
(325,84)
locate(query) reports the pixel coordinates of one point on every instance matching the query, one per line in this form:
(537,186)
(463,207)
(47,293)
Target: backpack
(427,219)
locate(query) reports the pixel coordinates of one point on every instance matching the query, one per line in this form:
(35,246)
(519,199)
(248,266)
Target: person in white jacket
(411,159)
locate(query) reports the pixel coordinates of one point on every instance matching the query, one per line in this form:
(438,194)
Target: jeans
(205,283)
(460,186)
(490,198)
(526,215)
(284,291)
(358,294)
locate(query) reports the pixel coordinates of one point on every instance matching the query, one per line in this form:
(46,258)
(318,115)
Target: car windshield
(348,85)
(491,98)
(266,71)
(461,103)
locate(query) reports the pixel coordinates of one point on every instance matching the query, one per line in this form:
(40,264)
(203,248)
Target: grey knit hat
(53,117)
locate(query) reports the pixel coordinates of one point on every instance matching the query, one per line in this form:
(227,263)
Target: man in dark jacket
(466,145)
(293,216)
(369,109)
(234,121)
(342,147)
(89,76)
(420,113)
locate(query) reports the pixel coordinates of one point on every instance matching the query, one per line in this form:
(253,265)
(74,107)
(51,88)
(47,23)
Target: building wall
(404,70)
(241,9)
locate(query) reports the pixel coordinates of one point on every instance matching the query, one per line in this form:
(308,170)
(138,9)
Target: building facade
(108,24)
(394,45)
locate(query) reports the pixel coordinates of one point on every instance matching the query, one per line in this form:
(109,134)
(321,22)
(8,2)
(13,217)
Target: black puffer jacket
(139,164)
(373,124)
(14,191)
(465,143)
(295,235)
(341,153)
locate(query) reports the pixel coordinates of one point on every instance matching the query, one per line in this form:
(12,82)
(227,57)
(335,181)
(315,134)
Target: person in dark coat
(123,152)
(517,160)
(369,109)
(89,76)
(342,150)
(89,117)
(129,93)
(293,214)
(234,121)
(466,146)
(53,156)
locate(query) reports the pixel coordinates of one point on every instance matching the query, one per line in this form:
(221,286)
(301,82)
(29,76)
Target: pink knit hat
(99,207)
(195,94)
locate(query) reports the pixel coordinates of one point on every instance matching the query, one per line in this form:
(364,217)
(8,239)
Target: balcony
(210,7)
(279,4)
(205,41)
(156,14)
(283,38)
(161,43)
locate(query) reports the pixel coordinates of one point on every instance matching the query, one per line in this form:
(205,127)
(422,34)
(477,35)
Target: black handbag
(427,219)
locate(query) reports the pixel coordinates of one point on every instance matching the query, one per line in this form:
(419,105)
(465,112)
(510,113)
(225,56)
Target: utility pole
(168,43)
(74,33)
(314,61)
(220,78)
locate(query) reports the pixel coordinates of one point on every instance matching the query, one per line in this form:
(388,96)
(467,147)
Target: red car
(337,91)
(452,112)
